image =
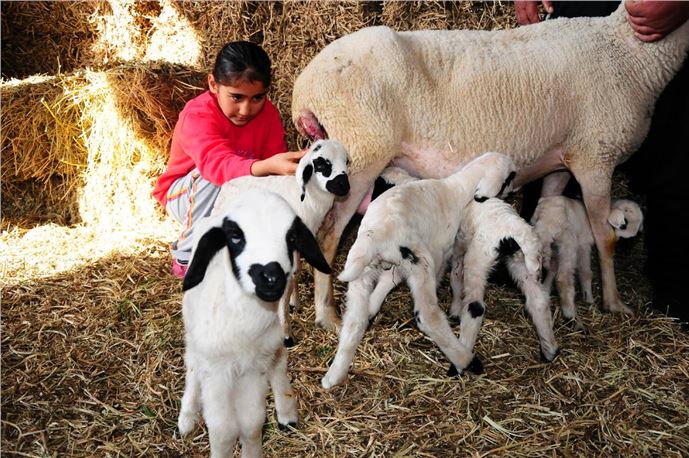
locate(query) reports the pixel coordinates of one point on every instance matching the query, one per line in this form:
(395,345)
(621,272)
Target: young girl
(229,131)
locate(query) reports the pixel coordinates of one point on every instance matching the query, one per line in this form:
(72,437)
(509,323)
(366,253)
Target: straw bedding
(92,336)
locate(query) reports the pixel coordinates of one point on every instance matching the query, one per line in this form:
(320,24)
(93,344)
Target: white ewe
(241,262)
(580,92)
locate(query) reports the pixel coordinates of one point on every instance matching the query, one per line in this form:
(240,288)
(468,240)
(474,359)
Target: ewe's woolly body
(524,91)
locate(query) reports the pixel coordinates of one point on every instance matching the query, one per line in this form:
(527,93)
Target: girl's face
(241,102)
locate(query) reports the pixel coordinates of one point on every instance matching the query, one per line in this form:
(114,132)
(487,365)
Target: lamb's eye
(236,238)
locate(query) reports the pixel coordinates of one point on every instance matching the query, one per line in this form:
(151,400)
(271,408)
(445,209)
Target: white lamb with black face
(241,263)
(321,177)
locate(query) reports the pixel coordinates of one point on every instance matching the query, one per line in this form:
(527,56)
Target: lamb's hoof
(475,366)
(288,426)
(288,342)
(329,380)
(576,326)
(185,424)
(619,308)
(454,320)
(546,359)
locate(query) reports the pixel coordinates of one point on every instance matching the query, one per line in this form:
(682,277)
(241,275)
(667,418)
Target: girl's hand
(652,20)
(280,164)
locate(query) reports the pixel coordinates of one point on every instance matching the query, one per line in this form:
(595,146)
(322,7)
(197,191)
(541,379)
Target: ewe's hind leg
(249,398)
(538,306)
(598,209)
(584,272)
(477,264)
(191,399)
(220,415)
(329,235)
(285,400)
(432,321)
(354,325)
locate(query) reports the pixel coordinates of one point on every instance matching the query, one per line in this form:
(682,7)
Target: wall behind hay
(142,61)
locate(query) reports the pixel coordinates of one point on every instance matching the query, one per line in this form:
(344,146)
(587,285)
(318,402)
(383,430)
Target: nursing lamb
(561,224)
(574,94)
(410,230)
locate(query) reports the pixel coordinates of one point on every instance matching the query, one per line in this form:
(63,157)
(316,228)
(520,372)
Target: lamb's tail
(360,255)
(531,248)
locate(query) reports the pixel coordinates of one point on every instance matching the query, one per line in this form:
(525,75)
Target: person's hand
(652,20)
(280,164)
(527,11)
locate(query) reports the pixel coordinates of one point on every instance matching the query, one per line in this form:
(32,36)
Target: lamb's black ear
(300,238)
(211,242)
(305,177)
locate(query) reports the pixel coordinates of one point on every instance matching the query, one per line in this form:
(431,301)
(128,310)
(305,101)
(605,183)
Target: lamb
(487,231)
(409,230)
(566,94)
(326,162)
(241,262)
(561,223)
(490,230)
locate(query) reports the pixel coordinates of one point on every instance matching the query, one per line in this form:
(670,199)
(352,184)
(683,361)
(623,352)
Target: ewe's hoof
(329,323)
(288,342)
(288,426)
(452,371)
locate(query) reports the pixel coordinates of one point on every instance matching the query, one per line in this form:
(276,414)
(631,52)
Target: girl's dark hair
(242,60)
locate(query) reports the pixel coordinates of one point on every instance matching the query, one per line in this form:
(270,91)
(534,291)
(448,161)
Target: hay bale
(46,37)
(104,133)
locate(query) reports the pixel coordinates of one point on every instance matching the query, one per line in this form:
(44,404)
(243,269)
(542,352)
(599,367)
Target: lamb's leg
(386,282)
(285,400)
(538,306)
(457,280)
(598,209)
(191,399)
(555,183)
(584,272)
(565,285)
(249,398)
(354,325)
(433,322)
(284,315)
(329,235)
(477,264)
(220,415)
(289,302)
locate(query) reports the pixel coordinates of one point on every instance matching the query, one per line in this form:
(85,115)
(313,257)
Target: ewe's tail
(360,255)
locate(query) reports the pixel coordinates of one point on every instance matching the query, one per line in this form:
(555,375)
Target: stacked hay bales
(86,144)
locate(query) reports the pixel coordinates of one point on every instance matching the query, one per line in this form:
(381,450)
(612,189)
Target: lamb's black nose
(338,185)
(270,280)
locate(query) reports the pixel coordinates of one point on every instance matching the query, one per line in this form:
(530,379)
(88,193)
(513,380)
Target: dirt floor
(92,345)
